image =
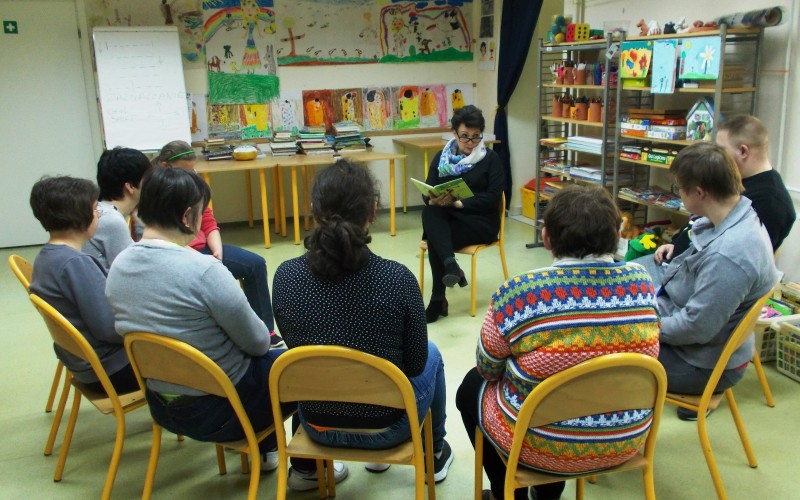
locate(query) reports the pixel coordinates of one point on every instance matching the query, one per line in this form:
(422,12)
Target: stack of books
(216,149)
(653,195)
(283,143)
(588,144)
(313,141)
(666,124)
(348,137)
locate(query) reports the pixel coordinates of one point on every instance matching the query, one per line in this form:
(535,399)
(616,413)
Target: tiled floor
(188,469)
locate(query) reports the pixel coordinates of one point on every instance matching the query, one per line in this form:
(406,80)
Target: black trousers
(469,406)
(448,229)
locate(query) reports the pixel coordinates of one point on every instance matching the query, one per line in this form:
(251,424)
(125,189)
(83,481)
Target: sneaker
(269,461)
(306,481)
(376,468)
(442,464)
(276,341)
(689,415)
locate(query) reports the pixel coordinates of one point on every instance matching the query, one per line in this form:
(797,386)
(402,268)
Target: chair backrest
(169,360)
(334,373)
(502,213)
(22,269)
(66,336)
(613,382)
(739,336)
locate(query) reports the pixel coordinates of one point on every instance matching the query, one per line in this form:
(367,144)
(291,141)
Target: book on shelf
(457,188)
(346,127)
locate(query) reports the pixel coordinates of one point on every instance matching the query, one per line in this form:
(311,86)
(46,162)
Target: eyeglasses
(98,210)
(465,139)
(676,189)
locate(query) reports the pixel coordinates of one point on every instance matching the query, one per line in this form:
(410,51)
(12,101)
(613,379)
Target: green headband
(190,152)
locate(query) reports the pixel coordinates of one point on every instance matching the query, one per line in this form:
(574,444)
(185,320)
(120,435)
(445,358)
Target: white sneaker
(269,461)
(305,481)
(376,468)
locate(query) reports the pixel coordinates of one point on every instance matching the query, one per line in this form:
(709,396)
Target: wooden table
(425,143)
(276,163)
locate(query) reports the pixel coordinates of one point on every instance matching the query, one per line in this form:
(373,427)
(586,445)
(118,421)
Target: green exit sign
(10,27)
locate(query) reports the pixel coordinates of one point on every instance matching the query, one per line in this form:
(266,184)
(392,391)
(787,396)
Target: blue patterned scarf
(451,163)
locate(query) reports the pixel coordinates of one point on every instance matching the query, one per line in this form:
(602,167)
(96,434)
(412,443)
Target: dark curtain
(516,32)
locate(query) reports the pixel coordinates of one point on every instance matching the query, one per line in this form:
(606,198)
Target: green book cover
(457,187)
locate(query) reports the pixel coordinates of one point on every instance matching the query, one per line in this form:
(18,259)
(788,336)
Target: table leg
(405,181)
(262,180)
(391,198)
(304,174)
(276,208)
(282,201)
(249,187)
(207,178)
(295,206)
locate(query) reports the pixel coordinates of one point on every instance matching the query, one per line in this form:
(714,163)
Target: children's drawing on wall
(313,32)
(486,51)
(198,116)
(426,31)
(405,107)
(377,110)
(665,54)
(348,106)
(382,31)
(224,121)
(286,111)
(458,96)
(432,106)
(187,15)
(256,121)
(635,60)
(487,27)
(318,109)
(235,32)
(700,58)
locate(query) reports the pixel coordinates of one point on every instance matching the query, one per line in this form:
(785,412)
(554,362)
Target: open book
(457,188)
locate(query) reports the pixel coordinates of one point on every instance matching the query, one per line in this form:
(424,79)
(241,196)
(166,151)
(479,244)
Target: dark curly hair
(343,203)
(581,221)
(64,203)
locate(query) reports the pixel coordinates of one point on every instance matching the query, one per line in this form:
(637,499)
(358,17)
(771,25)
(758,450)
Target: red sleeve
(208,224)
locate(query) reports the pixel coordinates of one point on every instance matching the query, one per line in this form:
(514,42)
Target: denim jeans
(252,270)
(430,393)
(689,379)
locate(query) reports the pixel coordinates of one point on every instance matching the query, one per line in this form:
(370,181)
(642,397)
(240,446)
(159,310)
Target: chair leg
(580,488)
(113,467)
(762,378)
(152,464)
(223,468)
(737,419)
(474,284)
(478,463)
(323,488)
(331,478)
(705,445)
(53,388)
(422,271)
(503,259)
(427,427)
(62,403)
(73,417)
(649,482)
(592,479)
(245,463)
(254,469)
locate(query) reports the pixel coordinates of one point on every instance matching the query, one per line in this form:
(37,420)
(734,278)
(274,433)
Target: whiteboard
(143,101)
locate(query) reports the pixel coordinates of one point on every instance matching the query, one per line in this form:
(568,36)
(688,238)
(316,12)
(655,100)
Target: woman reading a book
(450,223)
(242,264)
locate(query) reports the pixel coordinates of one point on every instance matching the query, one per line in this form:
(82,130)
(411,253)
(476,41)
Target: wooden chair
(613,382)
(710,401)
(472,250)
(23,270)
(333,373)
(169,360)
(70,339)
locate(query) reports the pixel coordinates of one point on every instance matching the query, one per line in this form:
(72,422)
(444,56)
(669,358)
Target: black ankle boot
(435,309)
(453,275)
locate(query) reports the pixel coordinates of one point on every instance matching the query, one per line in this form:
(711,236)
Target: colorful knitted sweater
(547,320)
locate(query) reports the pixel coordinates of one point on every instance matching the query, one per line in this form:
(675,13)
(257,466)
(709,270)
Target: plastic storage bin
(788,361)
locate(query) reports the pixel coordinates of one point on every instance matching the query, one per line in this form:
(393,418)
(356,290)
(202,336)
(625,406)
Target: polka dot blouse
(377,310)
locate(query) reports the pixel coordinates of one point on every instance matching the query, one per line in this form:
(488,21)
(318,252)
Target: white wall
(779,86)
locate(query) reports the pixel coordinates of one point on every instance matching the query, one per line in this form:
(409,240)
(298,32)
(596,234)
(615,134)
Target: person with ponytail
(242,264)
(340,293)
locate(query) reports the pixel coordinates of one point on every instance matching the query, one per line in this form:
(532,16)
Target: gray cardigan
(159,287)
(708,288)
(112,236)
